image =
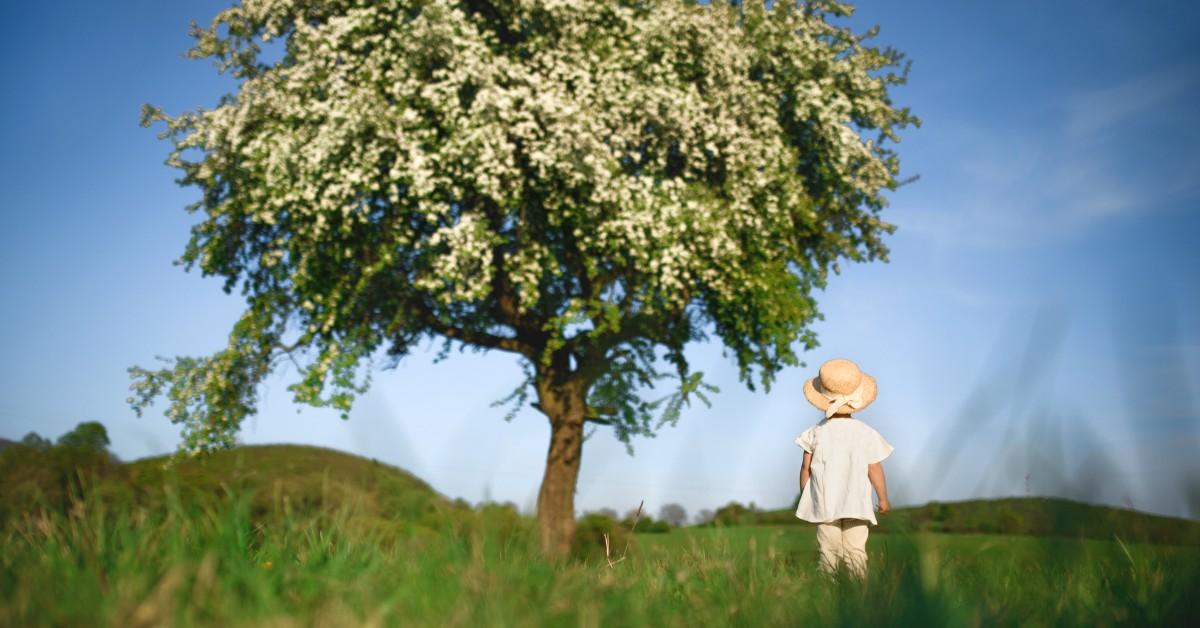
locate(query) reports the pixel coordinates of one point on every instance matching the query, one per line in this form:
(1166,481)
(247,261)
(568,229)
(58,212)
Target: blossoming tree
(590,185)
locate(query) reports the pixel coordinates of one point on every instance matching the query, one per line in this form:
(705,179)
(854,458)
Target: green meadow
(299,536)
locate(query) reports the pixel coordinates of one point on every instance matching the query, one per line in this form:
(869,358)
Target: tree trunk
(564,404)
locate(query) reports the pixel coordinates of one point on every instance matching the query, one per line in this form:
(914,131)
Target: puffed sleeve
(806,439)
(877,447)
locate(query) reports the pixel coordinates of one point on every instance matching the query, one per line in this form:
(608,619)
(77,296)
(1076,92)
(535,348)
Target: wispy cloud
(1103,109)
(1098,155)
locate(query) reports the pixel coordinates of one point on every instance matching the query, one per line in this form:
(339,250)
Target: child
(842,458)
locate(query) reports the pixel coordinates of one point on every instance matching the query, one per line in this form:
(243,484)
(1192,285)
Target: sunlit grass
(221,564)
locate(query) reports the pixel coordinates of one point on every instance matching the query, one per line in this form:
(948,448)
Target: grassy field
(300,537)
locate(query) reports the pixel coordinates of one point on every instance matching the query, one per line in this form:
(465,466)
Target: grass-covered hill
(1036,516)
(1044,516)
(277,480)
(295,477)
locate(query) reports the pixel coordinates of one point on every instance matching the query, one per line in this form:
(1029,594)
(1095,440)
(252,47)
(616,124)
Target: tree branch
(473,336)
(592,348)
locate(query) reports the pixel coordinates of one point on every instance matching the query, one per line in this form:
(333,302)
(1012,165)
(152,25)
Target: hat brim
(821,403)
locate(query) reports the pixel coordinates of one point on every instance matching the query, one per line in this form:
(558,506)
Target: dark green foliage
(651,525)
(86,435)
(639,521)
(34,441)
(591,528)
(590,532)
(734,514)
(1036,516)
(1043,516)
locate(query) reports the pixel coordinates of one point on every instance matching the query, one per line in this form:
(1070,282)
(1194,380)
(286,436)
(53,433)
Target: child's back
(842,457)
(841,449)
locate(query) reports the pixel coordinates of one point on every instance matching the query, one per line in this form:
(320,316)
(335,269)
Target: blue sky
(1037,329)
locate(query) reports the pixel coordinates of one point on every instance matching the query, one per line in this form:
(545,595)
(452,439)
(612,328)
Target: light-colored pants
(844,540)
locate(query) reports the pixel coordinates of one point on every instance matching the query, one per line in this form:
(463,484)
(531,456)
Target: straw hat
(840,387)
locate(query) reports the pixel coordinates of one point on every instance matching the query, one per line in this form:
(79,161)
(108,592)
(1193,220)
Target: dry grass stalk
(607,556)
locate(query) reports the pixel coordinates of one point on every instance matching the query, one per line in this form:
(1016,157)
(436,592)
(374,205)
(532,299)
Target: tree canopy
(89,435)
(673,514)
(591,185)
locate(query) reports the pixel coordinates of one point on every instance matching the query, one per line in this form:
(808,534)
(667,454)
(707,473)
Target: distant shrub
(590,531)
(673,514)
(652,526)
(87,435)
(1010,522)
(609,512)
(503,523)
(33,441)
(643,522)
(732,514)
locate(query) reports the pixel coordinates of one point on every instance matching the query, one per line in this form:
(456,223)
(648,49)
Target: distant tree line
(54,474)
(87,436)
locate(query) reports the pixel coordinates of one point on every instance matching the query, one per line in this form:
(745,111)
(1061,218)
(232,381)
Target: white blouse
(837,481)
